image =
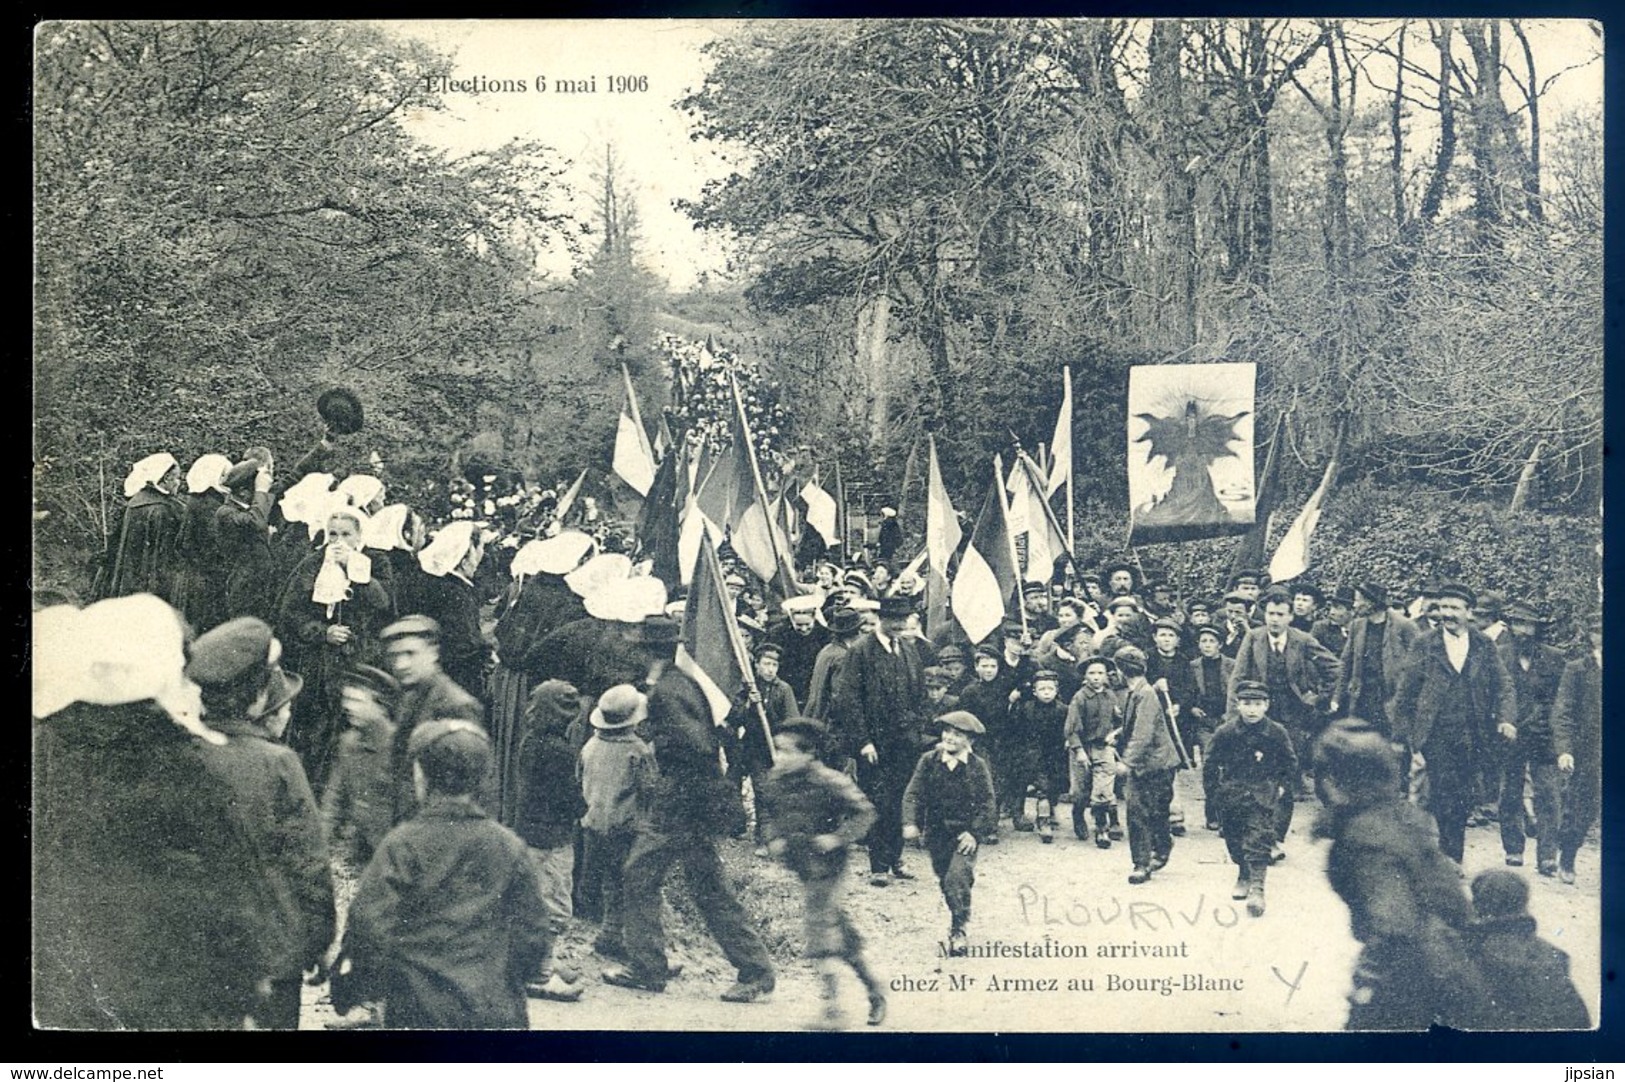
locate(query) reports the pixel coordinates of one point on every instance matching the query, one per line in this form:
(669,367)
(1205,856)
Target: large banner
(1190,451)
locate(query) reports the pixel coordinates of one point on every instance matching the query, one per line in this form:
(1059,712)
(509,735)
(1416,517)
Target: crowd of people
(284,679)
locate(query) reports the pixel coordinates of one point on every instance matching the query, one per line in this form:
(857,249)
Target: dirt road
(1062,942)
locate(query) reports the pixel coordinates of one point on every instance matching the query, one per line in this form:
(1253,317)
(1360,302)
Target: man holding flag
(693,803)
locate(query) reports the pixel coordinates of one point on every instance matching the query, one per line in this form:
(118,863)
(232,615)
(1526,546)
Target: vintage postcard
(466,450)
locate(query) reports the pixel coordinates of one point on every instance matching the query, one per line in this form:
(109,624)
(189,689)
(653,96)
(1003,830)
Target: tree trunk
(1526,479)
(874,324)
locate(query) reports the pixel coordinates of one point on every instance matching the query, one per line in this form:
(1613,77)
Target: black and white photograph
(900,525)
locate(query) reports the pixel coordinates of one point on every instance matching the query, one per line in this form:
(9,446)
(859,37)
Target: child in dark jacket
(1036,752)
(950,801)
(1528,978)
(549,807)
(448,922)
(814,814)
(617,773)
(1250,764)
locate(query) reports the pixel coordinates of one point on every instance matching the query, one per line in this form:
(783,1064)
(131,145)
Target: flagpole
(1009,540)
(1071,516)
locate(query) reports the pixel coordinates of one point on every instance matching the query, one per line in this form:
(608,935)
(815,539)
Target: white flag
(634,460)
(1060,444)
(820,511)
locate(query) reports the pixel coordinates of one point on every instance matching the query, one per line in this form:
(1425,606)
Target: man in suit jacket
(1536,671)
(879,705)
(1379,641)
(1456,709)
(1299,672)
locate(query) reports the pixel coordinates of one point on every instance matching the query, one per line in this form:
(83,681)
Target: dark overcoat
(1429,680)
(448,922)
(1352,676)
(142,551)
(1311,669)
(144,916)
(269,787)
(1408,909)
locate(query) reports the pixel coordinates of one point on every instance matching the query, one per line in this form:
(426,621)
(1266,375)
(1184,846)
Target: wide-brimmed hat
(621,707)
(845,621)
(237,650)
(659,630)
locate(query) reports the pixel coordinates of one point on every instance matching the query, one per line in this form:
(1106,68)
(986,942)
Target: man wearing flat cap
(412,655)
(1536,671)
(1456,709)
(244,689)
(879,706)
(1379,642)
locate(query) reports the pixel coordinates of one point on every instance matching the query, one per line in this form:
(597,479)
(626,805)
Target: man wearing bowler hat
(692,805)
(1456,709)
(880,703)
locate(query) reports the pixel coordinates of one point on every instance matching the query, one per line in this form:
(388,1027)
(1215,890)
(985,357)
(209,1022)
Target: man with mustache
(1456,709)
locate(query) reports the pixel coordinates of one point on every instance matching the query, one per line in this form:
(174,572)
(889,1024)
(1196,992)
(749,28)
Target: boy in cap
(358,806)
(939,700)
(1250,768)
(448,920)
(1036,748)
(1148,762)
(1092,721)
(1528,977)
(616,772)
(951,659)
(548,808)
(989,695)
(749,757)
(950,800)
(813,815)
(248,697)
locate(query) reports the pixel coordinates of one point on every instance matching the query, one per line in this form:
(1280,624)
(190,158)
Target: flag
(937,615)
(820,511)
(987,574)
(726,490)
(1249,554)
(1045,541)
(710,649)
(755,533)
(663,437)
(568,500)
(634,460)
(1291,557)
(1060,444)
(1190,451)
(942,530)
(761,542)
(658,526)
